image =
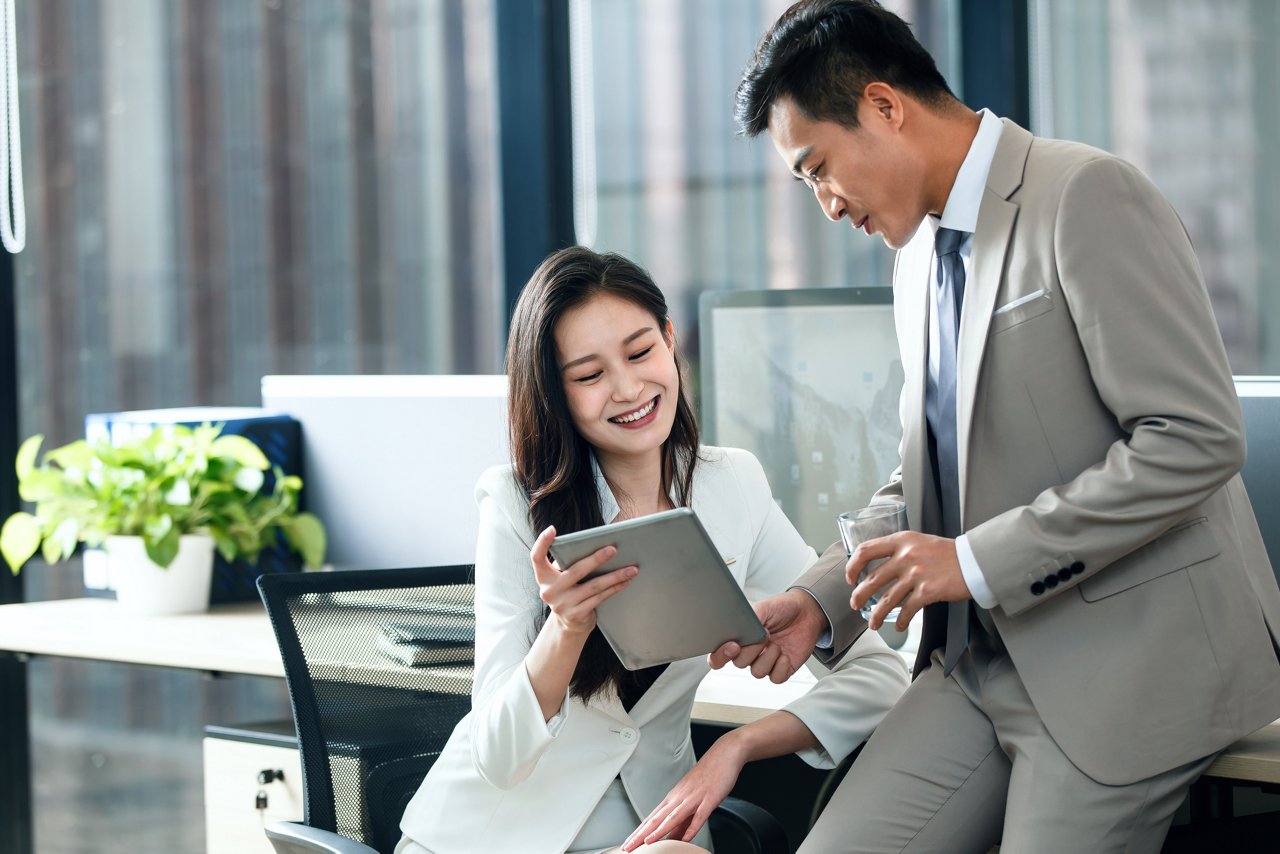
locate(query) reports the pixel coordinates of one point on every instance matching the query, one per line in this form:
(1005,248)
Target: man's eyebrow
(587,358)
(800,158)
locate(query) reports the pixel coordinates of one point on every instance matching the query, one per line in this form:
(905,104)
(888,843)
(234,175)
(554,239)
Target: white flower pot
(144,588)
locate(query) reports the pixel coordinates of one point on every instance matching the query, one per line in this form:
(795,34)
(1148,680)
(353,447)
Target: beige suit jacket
(1100,442)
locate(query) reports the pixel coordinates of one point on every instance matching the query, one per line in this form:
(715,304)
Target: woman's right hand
(573,604)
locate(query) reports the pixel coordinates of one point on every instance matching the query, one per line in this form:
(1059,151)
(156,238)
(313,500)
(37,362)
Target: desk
(238,639)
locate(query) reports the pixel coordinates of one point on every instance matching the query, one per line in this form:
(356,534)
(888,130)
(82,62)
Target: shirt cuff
(825,640)
(973,577)
(555,723)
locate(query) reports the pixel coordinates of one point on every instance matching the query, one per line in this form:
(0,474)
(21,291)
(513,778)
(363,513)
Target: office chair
(369,728)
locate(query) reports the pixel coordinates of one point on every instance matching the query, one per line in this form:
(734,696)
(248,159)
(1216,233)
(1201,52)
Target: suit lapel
(996,219)
(911,307)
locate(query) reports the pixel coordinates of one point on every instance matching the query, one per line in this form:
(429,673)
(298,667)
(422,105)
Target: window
(217,191)
(662,175)
(1185,90)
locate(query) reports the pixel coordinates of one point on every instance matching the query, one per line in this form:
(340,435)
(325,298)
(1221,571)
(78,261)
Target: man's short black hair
(822,54)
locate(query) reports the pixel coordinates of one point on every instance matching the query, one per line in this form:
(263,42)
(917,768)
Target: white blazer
(509,781)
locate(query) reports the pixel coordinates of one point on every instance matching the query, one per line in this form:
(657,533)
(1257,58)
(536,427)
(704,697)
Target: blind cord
(13,224)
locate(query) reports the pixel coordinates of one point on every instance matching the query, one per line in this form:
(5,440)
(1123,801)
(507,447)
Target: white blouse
(509,781)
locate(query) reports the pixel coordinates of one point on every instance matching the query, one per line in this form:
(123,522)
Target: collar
(961,211)
(609,507)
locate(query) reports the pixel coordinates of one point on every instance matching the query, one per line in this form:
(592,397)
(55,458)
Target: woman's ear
(669,335)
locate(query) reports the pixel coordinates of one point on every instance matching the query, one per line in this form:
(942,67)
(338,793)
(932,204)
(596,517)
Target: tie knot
(947,241)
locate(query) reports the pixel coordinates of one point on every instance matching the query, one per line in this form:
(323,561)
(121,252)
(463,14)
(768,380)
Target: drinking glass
(869,523)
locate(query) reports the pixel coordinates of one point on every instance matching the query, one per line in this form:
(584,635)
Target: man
(1100,615)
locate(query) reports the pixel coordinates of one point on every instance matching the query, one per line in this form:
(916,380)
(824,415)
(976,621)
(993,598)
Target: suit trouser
(964,762)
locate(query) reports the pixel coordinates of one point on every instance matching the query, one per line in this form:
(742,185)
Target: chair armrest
(291,837)
(743,818)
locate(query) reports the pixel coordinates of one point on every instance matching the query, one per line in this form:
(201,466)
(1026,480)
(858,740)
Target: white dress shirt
(961,214)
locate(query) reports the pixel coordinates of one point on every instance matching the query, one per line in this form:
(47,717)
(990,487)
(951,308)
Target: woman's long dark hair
(551,459)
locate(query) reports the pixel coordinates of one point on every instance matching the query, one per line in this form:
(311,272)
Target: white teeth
(637,415)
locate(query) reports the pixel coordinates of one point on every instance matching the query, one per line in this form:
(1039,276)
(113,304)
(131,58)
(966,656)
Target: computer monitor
(808,380)
(1260,404)
(390,462)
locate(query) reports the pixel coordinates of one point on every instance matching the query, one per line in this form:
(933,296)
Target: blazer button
(627,735)
(1077,567)
(1037,588)
(1064,574)
(1051,581)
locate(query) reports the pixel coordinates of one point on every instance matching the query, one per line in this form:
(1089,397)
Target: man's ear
(885,102)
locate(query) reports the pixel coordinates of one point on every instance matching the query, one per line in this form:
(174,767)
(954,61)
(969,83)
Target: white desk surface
(237,639)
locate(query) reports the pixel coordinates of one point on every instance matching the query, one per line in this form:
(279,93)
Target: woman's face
(618,366)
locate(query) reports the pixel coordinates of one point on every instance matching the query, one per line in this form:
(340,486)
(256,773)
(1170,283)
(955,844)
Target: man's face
(868,175)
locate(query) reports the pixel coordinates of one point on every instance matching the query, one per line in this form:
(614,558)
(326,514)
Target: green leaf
(164,550)
(224,544)
(40,484)
(27,456)
(306,534)
(180,494)
(249,480)
(19,539)
(66,535)
(241,450)
(158,528)
(76,455)
(50,550)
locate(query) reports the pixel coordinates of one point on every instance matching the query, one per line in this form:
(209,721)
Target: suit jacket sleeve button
(1064,574)
(1037,588)
(1051,581)
(1077,567)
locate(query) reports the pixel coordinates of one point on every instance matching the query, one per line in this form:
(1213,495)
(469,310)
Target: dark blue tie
(943,419)
(941,413)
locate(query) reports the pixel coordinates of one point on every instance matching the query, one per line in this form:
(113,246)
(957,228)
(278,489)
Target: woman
(564,749)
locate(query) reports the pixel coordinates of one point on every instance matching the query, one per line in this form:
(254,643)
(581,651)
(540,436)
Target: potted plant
(160,504)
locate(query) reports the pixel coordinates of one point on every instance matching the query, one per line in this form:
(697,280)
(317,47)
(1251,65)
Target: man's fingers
(880,547)
(782,670)
(748,654)
(910,606)
(764,662)
(875,581)
(723,655)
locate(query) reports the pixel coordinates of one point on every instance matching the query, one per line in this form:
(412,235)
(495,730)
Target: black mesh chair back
(378,664)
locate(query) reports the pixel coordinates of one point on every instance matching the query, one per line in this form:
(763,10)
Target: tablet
(683,603)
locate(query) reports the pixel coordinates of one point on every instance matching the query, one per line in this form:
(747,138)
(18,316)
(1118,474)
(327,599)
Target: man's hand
(794,623)
(917,570)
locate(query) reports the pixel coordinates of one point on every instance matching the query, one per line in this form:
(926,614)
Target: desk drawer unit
(233,822)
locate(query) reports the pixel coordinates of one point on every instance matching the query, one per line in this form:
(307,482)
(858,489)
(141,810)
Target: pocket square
(1010,306)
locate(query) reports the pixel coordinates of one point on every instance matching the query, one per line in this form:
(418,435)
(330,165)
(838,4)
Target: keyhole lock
(260,802)
(267,775)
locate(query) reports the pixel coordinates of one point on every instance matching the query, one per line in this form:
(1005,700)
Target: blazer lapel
(996,218)
(911,309)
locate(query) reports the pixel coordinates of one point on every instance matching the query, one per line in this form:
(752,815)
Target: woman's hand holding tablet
(684,601)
